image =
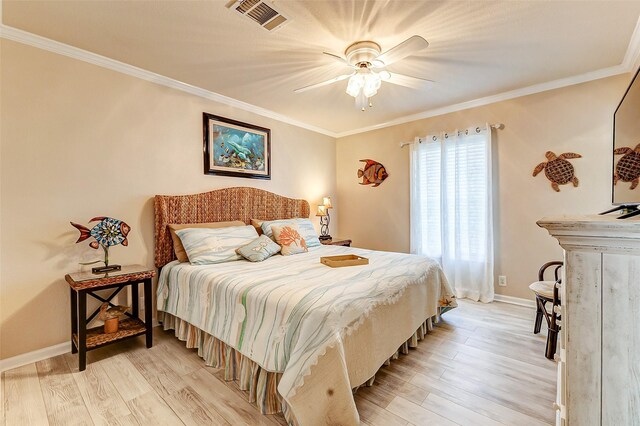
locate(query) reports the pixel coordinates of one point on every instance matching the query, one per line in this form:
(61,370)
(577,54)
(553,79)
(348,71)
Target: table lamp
(323,212)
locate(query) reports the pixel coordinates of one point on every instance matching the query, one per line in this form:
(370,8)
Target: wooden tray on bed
(344,260)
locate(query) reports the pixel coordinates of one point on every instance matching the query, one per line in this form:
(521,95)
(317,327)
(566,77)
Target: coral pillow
(305,226)
(289,238)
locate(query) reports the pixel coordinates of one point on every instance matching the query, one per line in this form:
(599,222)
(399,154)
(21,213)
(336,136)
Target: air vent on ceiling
(260,11)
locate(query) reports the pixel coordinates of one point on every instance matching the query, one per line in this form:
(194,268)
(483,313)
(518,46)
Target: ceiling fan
(368,63)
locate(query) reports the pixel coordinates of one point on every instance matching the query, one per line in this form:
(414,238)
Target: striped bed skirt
(260,385)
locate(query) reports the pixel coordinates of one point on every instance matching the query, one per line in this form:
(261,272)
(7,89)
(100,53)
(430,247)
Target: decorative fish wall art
(558,170)
(373,173)
(108,232)
(628,166)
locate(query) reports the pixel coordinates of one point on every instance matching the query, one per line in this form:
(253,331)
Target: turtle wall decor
(558,170)
(628,166)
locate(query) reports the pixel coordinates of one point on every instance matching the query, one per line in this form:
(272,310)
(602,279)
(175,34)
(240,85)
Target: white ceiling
(477,48)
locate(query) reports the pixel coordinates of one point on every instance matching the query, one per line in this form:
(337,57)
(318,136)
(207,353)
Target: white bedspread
(285,312)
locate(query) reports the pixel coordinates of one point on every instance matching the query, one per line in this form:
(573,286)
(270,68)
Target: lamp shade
(371,85)
(327,202)
(355,85)
(322,211)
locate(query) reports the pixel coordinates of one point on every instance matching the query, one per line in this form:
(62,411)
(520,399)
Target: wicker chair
(547,292)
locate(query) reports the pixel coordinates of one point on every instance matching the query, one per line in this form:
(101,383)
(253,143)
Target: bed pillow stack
(215,245)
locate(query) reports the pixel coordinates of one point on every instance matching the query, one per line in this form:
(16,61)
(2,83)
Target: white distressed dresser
(599,343)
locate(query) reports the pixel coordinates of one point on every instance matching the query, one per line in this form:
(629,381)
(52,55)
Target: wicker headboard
(238,203)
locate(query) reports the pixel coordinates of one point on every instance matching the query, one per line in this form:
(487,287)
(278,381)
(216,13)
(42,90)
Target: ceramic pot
(111,325)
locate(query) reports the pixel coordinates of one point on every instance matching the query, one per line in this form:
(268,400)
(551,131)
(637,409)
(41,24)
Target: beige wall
(576,118)
(79,141)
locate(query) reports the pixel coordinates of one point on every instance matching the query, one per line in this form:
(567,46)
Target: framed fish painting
(234,148)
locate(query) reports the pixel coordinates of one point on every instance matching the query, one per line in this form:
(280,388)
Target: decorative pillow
(305,226)
(178,248)
(206,245)
(259,249)
(288,236)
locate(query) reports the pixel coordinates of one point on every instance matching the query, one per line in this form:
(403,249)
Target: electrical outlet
(502,280)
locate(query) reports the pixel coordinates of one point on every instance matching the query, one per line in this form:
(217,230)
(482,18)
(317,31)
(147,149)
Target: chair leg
(554,326)
(538,324)
(552,342)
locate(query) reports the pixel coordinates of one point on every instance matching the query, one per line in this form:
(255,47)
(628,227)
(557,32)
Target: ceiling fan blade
(324,83)
(406,48)
(340,59)
(406,81)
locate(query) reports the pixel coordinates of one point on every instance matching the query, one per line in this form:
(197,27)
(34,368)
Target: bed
(296,335)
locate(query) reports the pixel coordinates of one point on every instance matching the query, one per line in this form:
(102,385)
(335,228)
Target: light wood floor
(481,366)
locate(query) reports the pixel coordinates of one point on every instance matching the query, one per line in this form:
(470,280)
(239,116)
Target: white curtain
(451,207)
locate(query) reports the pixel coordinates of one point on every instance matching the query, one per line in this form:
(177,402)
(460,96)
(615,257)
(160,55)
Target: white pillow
(307,231)
(215,245)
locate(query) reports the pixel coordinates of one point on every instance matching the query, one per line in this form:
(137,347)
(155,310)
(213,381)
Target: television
(626,151)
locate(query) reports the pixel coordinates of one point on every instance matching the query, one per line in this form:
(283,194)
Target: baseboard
(40,354)
(62,348)
(529,303)
(34,356)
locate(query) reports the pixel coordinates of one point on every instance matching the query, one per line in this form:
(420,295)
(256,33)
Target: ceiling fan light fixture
(365,82)
(355,84)
(362,51)
(364,59)
(372,82)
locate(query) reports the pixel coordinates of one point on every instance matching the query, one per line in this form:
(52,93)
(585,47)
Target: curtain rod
(497,126)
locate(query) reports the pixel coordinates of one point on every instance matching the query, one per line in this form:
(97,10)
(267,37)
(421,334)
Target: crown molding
(24,37)
(530,90)
(630,62)
(632,56)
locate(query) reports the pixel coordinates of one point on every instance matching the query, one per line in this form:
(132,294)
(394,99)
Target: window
(451,208)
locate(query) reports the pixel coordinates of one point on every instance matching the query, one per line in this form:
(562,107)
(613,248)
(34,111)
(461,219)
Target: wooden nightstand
(337,242)
(86,283)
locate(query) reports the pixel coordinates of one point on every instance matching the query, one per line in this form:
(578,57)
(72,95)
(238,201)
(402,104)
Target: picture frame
(236,149)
